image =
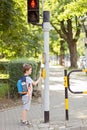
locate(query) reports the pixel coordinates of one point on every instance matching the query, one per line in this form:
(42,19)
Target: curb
(70,125)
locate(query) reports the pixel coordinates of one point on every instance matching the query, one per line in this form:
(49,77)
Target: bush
(4,88)
(4,67)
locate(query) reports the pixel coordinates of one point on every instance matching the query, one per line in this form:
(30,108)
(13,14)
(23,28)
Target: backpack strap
(24,85)
(23,78)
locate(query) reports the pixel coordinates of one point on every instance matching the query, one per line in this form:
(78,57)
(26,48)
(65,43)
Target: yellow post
(43,73)
(66,94)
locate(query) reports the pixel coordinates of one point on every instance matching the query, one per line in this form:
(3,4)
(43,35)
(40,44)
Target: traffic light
(33,11)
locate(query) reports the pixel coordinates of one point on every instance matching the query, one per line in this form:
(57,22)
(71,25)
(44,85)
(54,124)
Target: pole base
(46,116)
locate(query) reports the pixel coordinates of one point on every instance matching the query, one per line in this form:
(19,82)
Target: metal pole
(46,29)
(66,95)
(85,41)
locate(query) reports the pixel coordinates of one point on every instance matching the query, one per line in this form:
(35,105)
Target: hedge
(14,68)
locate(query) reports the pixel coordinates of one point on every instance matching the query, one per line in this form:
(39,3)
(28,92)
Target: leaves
(17,37)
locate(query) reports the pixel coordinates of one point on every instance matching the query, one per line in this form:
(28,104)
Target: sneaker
(26,123)
(23,123)
(30,124)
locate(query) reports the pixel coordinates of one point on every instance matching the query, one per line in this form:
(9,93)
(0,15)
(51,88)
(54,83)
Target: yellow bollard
(43,73)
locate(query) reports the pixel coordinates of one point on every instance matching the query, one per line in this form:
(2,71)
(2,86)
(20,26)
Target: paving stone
(75,128)
(84,127)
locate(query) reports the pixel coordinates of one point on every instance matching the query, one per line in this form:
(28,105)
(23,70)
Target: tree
(17,37)
(66,21)
(57,47)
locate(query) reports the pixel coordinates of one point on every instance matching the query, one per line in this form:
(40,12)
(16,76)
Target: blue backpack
(22,86)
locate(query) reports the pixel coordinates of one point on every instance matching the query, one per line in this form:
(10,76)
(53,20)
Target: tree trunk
(73,54)
(71,36)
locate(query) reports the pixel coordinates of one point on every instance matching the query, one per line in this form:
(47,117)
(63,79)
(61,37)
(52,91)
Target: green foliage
(20,39)
(6,11)
(76,8)
(17,37)
(4,88)
(4,67)
(66,20)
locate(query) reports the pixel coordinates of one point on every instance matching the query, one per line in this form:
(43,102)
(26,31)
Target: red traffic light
(33,11)
(33,4)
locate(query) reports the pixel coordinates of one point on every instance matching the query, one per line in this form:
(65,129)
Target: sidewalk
(10,118)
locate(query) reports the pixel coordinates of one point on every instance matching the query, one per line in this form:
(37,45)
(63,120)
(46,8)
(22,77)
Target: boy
(26,98)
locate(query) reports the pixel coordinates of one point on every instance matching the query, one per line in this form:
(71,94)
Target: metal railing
(67,87)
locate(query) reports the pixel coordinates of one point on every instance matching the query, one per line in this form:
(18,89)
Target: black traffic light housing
(33,11)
